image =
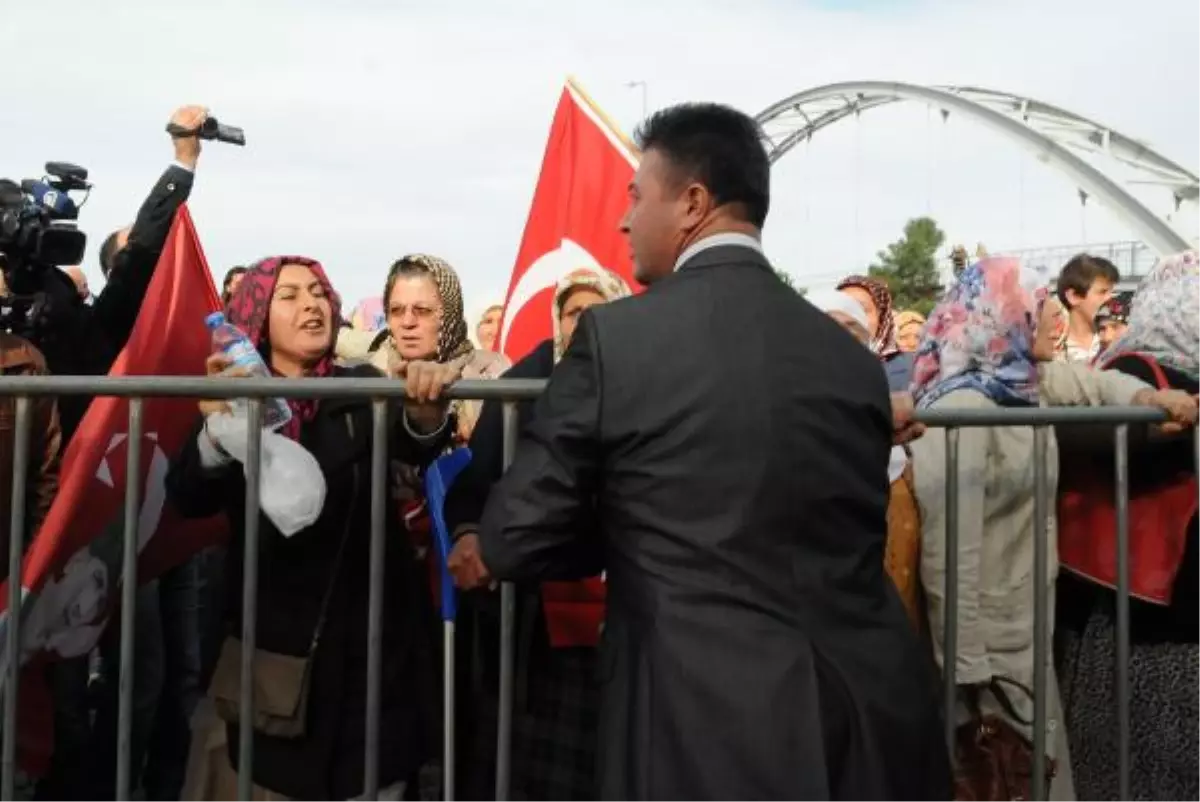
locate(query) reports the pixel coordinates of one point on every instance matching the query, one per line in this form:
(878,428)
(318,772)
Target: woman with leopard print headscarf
(423,306)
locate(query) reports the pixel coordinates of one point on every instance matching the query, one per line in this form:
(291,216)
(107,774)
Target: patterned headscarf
(250,310)
(883,339)
(907,317)
(980,336)
(1163,321)
(368,315)
(1115,308)
(452,335)
(610,286)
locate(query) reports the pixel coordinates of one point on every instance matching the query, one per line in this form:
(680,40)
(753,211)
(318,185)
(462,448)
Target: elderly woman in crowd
(908,330)
(558,624)
(423,304)
(903,549)
(876,300)
(989,344)
(487,330)
(311,649)
(1161,347)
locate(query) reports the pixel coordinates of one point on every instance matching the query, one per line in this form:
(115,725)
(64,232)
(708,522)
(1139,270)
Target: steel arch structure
(1050,132)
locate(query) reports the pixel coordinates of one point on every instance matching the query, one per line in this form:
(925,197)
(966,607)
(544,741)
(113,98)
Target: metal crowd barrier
(508,391)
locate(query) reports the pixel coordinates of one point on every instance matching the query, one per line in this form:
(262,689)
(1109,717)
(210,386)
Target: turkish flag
(580,198)
(71,572)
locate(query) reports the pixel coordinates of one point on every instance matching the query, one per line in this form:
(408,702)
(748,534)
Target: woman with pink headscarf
(311,648)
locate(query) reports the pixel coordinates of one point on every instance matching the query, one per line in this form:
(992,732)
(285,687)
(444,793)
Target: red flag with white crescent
(72,570)
(573,222)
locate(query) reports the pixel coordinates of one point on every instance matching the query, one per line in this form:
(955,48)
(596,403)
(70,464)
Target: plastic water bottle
(236,346)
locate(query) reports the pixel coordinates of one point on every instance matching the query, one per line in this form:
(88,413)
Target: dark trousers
(189,596)
(67,778)
(147,688)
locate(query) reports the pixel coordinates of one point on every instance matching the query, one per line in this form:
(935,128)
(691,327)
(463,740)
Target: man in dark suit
(720,448)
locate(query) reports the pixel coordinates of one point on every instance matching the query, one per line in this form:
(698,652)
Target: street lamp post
(642,86)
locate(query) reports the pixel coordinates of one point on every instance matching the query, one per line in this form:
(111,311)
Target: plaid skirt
(555,721)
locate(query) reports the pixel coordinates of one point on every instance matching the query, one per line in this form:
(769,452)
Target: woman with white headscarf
(1161,347)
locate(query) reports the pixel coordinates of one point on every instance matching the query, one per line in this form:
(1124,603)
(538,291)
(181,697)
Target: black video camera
(212,130)
(37,220)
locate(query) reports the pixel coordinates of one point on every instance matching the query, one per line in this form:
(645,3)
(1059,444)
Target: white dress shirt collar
(716,241)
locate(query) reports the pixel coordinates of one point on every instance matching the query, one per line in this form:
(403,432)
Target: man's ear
(699,204)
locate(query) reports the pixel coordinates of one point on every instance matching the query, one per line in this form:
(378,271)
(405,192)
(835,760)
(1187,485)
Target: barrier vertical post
(1041,612)
(16,551)
(245,768)
(1121,677)
(508,601)
(379,457)
(129,588)
(950,624)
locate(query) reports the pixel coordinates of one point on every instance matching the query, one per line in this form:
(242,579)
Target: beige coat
(354,346)
(996,539)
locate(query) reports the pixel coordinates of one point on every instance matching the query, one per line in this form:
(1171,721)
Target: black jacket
(92,336)
(294,573)
(723,447)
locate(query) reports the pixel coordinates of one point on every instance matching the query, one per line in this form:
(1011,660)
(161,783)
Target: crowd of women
(995,339)
(998,338)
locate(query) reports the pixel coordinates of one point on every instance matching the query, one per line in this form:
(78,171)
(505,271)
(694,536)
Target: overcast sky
(380,127)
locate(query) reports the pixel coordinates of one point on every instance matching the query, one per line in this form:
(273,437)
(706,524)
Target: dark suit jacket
(723,445)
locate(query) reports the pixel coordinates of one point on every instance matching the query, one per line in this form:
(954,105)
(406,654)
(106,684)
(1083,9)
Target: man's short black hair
(108,252)
(719,147)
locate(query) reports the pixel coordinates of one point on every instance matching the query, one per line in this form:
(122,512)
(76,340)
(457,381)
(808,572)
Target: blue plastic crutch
(438,479)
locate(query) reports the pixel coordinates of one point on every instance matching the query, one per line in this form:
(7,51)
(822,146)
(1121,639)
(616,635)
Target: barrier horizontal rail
(493,389)
(205,387)
(509,391)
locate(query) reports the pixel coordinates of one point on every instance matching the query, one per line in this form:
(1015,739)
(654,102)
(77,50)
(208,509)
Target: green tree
(909,266)
(787,279)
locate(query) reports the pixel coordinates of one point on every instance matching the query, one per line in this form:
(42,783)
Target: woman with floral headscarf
(876,300)
(987,344)
(311,648)
(558,629)
(1161,346)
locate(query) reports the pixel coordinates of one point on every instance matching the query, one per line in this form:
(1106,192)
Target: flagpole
(608,121)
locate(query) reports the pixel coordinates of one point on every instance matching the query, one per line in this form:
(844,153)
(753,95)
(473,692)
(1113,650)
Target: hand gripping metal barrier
(508,391)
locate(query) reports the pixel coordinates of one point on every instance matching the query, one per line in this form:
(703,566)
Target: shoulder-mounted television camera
(37,221)
(38,234)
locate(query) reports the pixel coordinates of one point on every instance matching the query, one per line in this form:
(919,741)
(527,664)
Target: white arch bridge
(1054,135)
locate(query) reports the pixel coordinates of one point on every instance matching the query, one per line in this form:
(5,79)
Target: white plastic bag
(291,486)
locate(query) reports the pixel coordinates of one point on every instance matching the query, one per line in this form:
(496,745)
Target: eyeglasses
(419,311)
